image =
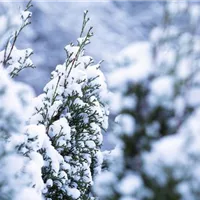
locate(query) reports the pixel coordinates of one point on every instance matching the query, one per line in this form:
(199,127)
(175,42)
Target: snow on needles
(72,110)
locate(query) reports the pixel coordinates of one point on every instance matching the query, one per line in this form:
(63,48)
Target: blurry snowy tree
(16,170)
(157,89)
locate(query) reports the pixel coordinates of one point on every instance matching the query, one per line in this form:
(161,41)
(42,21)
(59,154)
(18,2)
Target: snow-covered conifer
(157,97)
(67,123)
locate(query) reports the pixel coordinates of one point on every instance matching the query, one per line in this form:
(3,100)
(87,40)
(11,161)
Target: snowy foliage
(65,127)
(157,96)
(57,151)
(14,168)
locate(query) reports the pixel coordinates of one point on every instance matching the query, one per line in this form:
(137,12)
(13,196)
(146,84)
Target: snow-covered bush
(67,122)
(157,96)
(16,170)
